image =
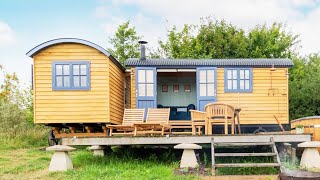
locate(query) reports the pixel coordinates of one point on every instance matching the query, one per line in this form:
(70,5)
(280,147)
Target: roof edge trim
(53,42)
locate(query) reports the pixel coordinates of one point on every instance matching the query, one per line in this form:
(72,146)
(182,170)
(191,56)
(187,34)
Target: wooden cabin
(259,87)
(79,84)
(76,81)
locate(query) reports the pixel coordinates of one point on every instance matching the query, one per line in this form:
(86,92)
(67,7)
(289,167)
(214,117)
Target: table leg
(238,119)
(232,126)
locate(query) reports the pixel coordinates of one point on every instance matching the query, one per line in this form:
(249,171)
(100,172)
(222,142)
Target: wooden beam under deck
(185,139)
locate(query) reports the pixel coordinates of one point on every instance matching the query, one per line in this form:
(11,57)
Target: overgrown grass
(30,137)
(122,163)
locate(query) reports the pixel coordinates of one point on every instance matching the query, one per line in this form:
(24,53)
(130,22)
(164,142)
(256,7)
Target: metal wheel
(260,129)
(51,139)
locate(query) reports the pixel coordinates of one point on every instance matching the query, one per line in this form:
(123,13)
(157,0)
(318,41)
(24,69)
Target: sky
(26,24)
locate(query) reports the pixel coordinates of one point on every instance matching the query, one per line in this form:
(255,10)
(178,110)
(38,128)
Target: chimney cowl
(142,49)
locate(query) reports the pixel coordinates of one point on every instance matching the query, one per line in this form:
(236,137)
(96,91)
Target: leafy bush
(16,115)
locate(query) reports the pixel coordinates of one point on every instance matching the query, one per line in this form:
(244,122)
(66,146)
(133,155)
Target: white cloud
(301,16)
(7,36)
(102,12)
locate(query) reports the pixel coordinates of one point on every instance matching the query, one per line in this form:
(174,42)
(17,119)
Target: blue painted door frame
(146,101)
(205,99)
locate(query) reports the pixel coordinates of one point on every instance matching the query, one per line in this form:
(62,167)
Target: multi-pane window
(238,80)
(71,75)
(145,82)
(207,83)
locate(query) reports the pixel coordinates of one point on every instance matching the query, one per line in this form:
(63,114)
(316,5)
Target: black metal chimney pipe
(142,50)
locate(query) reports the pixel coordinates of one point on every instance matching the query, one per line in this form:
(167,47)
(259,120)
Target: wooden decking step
(244,144)
(244,154)
(248,165)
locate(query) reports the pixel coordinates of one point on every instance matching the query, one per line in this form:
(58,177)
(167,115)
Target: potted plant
(299,129)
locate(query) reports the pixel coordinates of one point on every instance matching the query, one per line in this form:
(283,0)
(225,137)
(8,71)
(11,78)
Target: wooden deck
(185,139)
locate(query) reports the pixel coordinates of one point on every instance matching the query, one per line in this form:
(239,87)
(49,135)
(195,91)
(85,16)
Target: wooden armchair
(157,122)
(130,117)
(219,113)
(198,120)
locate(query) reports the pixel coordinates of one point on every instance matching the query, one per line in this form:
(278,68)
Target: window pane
(83,69)
(202,76)
(58,69)
(83,81)
(142,90)
(247,85)
(203,90)
(150,89)
(247,74)
(66,81)
(229,84)
(59,81)
(141,76)
(149,76)
(210,76)
(234,84)
(66,70)
(242,84)
(234,74)
(76,81)
(210,89)
(76,70)
(229,74)
(241,74)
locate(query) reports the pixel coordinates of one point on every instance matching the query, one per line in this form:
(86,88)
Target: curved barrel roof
(53,42)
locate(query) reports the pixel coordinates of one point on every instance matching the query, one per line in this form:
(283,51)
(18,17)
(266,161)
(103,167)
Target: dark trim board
(185,139)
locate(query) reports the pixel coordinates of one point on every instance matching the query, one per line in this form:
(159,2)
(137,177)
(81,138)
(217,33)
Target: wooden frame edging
(184,139)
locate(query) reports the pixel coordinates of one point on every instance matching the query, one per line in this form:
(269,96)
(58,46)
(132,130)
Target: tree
(304,87)
(125,43)
(219,39)
(271,42)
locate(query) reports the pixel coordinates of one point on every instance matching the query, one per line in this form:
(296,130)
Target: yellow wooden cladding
(77,106)
(128,92)
(117,83)
(269,96)
(133,88)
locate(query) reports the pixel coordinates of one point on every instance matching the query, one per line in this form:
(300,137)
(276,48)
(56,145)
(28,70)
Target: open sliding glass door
(206,86)
(146,87)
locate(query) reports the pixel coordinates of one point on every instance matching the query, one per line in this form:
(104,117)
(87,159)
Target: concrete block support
(98,150)
(188,158)
(310,157)
(60,160)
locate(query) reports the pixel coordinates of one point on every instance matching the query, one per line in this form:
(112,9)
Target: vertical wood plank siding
(258,107)
(128,92)
(71,106)
(117,94)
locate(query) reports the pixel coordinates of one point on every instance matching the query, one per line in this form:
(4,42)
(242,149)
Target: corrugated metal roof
(284,62)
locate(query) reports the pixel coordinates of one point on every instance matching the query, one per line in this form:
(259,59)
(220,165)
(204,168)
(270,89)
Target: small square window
(187,88)
(175,88)
(164,88)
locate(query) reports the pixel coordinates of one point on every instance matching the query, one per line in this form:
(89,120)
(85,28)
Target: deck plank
(185,139)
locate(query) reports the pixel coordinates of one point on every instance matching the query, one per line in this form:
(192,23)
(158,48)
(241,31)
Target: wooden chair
(130,117)
(156,123)
(219,113)
(198,120)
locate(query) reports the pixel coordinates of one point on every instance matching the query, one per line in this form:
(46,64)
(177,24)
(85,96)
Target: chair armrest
(198,115)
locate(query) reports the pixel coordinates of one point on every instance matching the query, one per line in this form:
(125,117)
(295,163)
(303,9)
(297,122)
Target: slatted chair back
(216,110)
(160,115)
(132,116)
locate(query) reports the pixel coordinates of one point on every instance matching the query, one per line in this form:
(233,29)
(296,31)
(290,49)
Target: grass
(33,164)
